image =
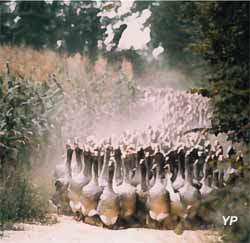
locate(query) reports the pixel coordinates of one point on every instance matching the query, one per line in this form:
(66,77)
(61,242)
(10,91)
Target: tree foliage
(224,43)
(212,37)
(76,25)
(6,21)
(24,127)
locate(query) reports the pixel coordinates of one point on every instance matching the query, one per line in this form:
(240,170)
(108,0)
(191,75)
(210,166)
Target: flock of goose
(130,187)
(157,177)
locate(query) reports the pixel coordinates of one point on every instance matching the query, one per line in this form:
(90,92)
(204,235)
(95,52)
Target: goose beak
(166,167)
(68,145)
(111,163)
(154,166)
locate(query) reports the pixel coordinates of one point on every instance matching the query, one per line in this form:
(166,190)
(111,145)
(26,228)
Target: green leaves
(76,25)
(24,122)
(211,38)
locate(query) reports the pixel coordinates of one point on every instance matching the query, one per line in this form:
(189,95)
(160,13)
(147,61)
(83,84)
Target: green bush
(20,200)
(24,127)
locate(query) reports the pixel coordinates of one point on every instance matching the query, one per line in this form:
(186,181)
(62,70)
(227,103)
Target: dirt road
(70,231)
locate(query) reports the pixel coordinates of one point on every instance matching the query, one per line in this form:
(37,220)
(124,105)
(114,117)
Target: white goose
(176,206)
(91,193)
(62,174)
(190,196)
(179,181)
(142,194)
(205,188)
(127,195)
(78,181)
(109,206)
(158,199)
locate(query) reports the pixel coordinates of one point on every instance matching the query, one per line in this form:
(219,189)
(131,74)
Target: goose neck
(110,177)
(104,170)
(69,155)
(68,161)
(144,177)
(125,172)
(179,164)
(157,173)
(79,153)
(114,180)
(94,172)
(169,183)
(188,173)
(87,164)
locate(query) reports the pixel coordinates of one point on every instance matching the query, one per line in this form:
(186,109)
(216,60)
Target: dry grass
(38,65)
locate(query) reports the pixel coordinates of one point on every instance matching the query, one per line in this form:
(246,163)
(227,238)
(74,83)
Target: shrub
(20,200)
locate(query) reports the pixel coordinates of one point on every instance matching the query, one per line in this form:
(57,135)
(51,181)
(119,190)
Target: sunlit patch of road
(70,231)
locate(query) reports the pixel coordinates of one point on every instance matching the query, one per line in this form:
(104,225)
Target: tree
(82,28)
(6,21)
(32,26)
(225,45)
(173,28)
(41,25)
(212,37)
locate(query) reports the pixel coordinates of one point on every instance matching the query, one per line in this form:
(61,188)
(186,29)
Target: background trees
(73,27)
(224,43)
(208,40)
(211,38)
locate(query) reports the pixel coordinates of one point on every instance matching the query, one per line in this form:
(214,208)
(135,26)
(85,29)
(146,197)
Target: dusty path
(70,231)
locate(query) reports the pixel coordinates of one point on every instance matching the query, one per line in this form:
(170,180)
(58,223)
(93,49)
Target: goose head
(62,176)
(231,151)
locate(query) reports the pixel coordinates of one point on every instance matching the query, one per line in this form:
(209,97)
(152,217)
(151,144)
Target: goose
(202,158)
(158,198)
(118,160)
(117,180)
(87,158)
(131,163)
(77,182)
(159,157)
(176,207)
(127,195)
(196,182)
(150,169)
(205,189)
(153,175)
(59,200)
(103,178)
(142,194)
(190,195)
(62,175)
(90,194)
(100,161)
(135,180)
(108,206)
(179,181)
(170,156)
(229,171)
